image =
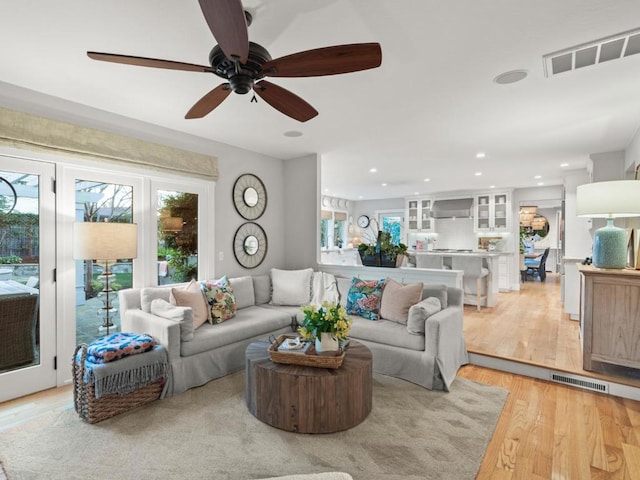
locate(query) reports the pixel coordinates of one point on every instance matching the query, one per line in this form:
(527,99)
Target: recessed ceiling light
(373,170)
(326,189)
(478,174)
(564,164)
(480,155)
(537,177)
(540,184)
(416,193)
(360,196)
(427,179)
(492,186)
(510,77)
(384,184)
(293,133)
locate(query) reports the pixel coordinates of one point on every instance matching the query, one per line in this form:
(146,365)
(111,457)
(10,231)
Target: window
(333,229)
(392,223)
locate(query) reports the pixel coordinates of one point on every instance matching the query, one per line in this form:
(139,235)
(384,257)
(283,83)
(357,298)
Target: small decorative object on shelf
(326,324)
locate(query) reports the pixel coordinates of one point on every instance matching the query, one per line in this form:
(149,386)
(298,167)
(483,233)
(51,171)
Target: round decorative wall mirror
(250,245)
(249,196)
(540,226)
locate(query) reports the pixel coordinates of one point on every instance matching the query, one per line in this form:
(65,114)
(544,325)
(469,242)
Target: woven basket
(92,409)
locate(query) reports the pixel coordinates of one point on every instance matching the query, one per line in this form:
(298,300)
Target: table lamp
(105,242)
(616,199)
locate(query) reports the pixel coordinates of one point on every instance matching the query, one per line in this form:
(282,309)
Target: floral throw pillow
(221,300)
(364,298)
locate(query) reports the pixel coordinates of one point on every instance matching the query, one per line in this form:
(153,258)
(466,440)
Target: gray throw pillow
(243,291)
(419,313)
(436,290)
(182,315)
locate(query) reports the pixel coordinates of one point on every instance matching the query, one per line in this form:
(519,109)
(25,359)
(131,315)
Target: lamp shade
(104,241)
(616,199)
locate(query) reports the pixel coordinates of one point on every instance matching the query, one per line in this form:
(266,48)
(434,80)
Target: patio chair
(18,316)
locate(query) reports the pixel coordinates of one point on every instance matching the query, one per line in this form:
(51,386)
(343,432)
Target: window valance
(31,132)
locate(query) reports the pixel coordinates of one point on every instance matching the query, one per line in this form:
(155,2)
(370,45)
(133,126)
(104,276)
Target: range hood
(457,207)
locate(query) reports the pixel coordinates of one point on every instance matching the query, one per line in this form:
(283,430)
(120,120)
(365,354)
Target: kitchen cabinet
(609,318)
(504,280)
(492,212)
(418,216)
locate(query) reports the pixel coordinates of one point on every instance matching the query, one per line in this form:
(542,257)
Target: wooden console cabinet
(609,317)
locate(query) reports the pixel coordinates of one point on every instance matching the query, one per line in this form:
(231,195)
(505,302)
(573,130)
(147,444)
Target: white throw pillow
(291,287)
(182,315)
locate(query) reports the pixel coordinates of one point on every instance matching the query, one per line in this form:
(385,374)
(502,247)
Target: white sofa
(430,360)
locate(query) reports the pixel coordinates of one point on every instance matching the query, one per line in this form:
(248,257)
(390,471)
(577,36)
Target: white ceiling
(425,112)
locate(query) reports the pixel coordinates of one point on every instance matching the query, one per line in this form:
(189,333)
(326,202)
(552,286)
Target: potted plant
(384,253)
(327,324)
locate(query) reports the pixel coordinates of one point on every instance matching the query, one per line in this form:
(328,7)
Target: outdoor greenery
(11,259)
(180,249)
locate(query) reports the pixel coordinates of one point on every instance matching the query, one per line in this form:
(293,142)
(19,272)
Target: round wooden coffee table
(308,399)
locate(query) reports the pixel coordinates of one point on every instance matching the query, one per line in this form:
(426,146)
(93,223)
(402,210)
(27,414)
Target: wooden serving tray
(308,359)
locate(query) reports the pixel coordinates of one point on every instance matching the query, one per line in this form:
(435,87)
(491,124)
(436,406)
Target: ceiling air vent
(599,51)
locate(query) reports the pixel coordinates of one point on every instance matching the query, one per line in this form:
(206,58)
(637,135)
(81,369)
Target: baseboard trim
(542,373)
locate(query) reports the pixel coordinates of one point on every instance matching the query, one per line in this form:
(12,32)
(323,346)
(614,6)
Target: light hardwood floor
(546,430)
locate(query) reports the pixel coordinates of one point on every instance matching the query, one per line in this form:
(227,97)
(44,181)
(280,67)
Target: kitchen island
(496,262)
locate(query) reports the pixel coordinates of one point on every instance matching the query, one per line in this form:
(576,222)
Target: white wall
(301,212)
(233,162)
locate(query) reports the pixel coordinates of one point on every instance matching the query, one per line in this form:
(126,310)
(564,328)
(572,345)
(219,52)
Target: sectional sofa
(427,350)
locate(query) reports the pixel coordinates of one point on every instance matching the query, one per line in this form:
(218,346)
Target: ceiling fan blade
(149,62)
(285,101)
(211,100)
(228,25)
(326,61)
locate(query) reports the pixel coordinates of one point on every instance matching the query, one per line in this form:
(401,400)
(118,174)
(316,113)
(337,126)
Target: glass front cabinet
(492,212)
(419,215)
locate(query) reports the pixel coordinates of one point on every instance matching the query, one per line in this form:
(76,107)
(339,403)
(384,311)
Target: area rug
(208,433)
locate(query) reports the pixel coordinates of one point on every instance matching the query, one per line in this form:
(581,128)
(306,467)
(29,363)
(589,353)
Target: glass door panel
(98,279)
(177,236)
(27,337)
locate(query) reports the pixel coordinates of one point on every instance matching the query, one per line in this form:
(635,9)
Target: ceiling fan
(244,64)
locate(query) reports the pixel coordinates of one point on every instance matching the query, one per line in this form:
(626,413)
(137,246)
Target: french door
(27,287)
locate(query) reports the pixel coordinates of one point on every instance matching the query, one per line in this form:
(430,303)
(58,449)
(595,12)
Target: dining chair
(537,267)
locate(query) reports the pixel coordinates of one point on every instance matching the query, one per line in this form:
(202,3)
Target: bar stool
(473,270)
(429,261)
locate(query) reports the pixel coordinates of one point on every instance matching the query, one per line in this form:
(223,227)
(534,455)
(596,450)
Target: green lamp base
(610,246)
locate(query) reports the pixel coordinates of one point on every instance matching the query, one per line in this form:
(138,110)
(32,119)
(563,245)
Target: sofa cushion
(220,298)
(344,284)
(262,288)
(243,291)
(191,296)
(364,298)
(419,312)
(248,323)
(291,287)
(181,315)
(436,290)
(149,294)
(385,332)
(397,299)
